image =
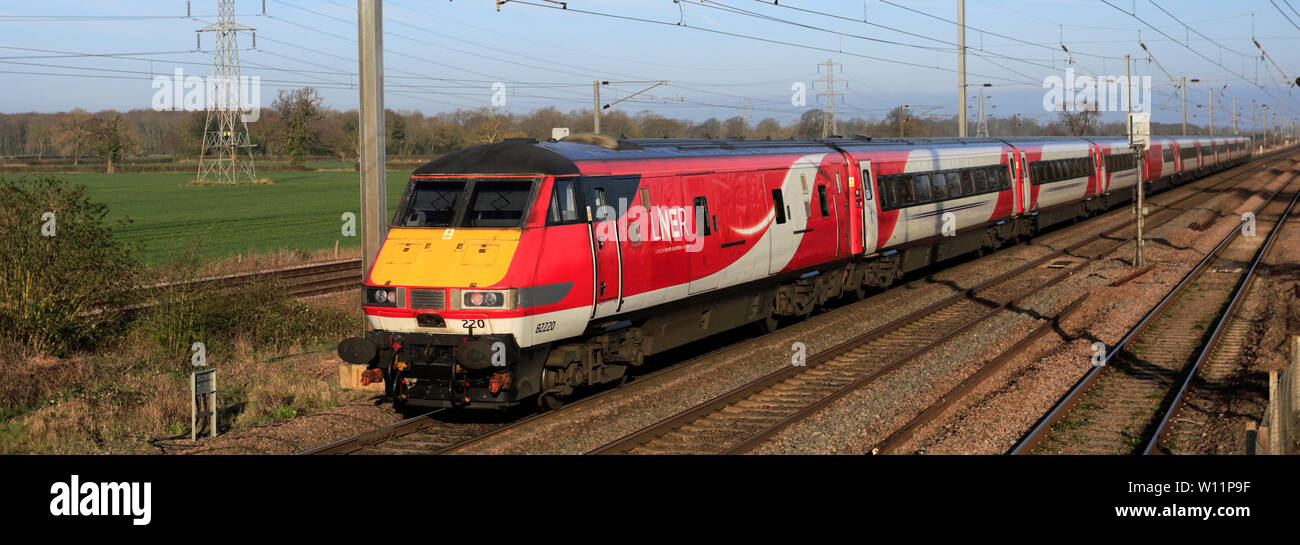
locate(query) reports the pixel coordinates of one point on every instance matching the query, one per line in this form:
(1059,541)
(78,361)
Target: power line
(770,18)
(991,33)
(1288,17)
(1189,48)
(759,39)
(1198,33)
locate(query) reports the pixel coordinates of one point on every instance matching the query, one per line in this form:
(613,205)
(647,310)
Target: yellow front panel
(438,257)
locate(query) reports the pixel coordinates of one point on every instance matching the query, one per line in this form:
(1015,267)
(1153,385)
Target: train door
(705,258)
(1025,185)
(604,214)
(867,198)
(823,205)
(790,198)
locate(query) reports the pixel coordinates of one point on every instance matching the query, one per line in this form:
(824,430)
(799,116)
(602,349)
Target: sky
(720,58)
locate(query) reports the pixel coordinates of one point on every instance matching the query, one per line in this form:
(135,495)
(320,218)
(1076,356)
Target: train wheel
(769,324)
(551,402)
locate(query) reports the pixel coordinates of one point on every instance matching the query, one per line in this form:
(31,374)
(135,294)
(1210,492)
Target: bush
(54,289)
(258,316)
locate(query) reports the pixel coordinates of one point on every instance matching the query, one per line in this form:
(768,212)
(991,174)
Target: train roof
(529,156)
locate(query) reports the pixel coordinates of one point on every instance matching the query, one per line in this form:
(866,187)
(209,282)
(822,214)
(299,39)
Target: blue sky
(445,55)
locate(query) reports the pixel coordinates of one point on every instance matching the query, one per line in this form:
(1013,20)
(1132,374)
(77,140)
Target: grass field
(299,210)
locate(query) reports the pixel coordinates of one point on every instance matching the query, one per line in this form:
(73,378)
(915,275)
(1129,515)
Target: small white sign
(1139,130)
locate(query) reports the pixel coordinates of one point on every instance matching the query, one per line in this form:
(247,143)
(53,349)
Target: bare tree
(73,133)
(1081,117)
(299,109)
(112,137)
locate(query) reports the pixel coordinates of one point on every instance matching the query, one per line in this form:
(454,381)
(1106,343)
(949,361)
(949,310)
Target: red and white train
(530,269)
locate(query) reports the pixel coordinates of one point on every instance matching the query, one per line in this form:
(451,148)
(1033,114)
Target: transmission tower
(982,129)
(829,128)
(226,156)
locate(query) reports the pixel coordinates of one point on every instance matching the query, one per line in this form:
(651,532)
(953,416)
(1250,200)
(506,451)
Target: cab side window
(564,203)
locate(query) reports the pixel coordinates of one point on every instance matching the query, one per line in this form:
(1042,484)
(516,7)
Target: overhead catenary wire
(760,39)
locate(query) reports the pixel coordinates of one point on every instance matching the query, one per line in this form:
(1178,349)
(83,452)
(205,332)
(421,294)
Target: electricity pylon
(226,156)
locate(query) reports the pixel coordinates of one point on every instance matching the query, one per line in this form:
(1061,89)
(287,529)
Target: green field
(300,210)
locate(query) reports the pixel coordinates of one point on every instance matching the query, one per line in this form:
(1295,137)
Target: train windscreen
(460,203)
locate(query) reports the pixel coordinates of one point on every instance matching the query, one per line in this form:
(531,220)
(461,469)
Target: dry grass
(261,261)
(122,397)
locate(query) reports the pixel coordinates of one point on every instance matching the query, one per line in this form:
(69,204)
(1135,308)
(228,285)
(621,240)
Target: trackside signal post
(203,402)
(374,203)
(1139,136)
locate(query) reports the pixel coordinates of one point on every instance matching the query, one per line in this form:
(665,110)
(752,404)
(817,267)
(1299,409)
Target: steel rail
(1239,294)
(673,423)
(1043,429)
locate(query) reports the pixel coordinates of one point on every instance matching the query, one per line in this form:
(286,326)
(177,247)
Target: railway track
(748,416)
(429,435)
(1127,404)
(297,281)
(423,434)
(301,280)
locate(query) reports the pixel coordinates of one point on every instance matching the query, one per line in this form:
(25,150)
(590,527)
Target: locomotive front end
(443,297)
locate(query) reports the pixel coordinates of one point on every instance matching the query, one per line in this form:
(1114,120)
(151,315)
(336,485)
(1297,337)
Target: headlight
(381,297)
(484,299)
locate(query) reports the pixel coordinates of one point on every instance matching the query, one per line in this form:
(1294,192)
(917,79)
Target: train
(525,271)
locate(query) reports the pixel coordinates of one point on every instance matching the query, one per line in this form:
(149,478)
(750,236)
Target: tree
(111,140)
(736,127)
(299,110)
(768,128)
(73,133)
(397,143)
(1080,117)
(810,124)
(709,128)
(40,137)
(899,118)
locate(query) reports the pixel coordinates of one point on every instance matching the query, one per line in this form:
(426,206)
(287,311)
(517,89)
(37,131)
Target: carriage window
(981,179)
(921,187)
(1004,178)
(702,215)
(886,193)
(866,184)
(598,204)
(821,195)
(778,204)
(937,191)
(903,187)
(955,187)
(564,203)
(433,204)
(645,198)
(968,181)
